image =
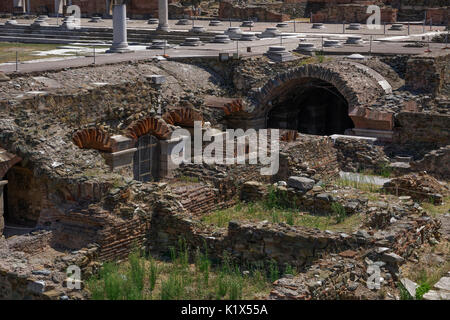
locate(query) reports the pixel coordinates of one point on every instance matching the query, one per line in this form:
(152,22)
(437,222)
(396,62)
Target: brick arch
(359,88)
(7,161)
(92,138)
(233,107)
(184,117)
(151,125)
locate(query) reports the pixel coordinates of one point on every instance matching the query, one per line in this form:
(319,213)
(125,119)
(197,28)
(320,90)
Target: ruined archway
(311,106)
(20,195)
(321,99)
(147,134)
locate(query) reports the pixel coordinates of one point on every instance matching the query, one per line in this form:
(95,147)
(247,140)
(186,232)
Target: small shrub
(222,286)
(203,265)
(290,218)
(153,274)
(172,288)
(114,284)
(421,290)
(235,287)
(320,56)
(289,270)
(276,200)
(273,271)
(339,211)
(137,270)
(189,179)
(384,170)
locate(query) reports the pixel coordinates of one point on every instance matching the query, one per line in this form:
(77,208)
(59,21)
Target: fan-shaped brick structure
(184,117)
(151,125)
(93,138)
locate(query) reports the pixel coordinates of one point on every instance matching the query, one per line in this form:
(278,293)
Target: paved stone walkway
(258,47)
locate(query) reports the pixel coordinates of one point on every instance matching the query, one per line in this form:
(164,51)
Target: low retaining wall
(264,242)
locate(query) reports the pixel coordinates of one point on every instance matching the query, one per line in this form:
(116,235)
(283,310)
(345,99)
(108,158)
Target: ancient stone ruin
(312,162)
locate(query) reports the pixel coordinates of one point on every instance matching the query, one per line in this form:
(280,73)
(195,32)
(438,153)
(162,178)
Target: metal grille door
(146,159)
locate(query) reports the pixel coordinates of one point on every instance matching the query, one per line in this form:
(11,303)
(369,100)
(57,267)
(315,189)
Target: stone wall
(438,15)
(435,163)
(137,9)
(415,127)
(13,287)
(118,240)
(262,13)
(355,155)
(197,198)
(313,156)
(246,242)
(263,242)
(352,13)
(6,6)
(429,73)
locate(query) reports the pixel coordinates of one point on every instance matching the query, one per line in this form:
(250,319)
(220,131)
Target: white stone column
(120,44)
(108,7)
(163,15)
(28,7)
(58,7)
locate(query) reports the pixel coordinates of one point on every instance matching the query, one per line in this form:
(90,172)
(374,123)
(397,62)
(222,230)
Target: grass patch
(190,179)
(260,211)
(27,51)
(436,210)
(426,272)
(146,278)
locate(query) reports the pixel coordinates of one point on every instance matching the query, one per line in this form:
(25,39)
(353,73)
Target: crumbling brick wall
(355,155)
(314,156)
(352,13)
(415,127)
(429,73)
(228,11)
(197,198)
(6,6)
(435,163)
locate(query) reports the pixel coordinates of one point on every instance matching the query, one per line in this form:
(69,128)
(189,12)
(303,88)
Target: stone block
(301,183)
(37,287)
(120,159)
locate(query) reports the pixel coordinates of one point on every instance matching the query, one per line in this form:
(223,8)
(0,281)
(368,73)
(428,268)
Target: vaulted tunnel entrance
(21,201)
(310,106)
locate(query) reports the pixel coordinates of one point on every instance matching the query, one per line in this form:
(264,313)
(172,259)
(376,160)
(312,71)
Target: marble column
(58,7)
(28,7)
(163,12)
(120,44)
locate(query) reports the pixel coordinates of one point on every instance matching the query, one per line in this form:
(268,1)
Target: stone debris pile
(420,187)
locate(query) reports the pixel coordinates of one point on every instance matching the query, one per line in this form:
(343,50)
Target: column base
(163,27)
(119,48)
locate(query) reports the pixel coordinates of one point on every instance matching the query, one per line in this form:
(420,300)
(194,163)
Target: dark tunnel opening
(310,106)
